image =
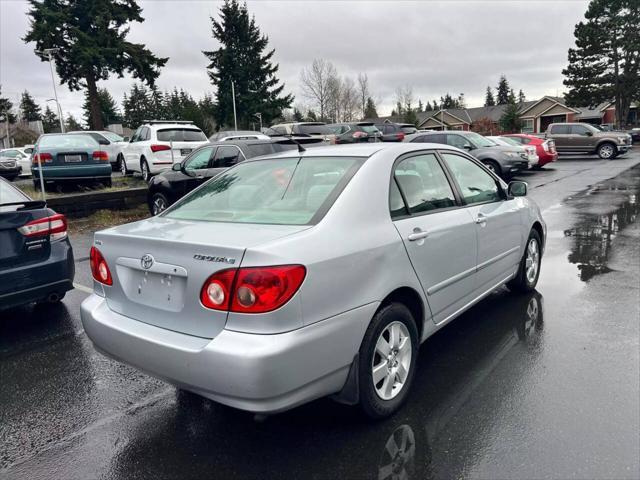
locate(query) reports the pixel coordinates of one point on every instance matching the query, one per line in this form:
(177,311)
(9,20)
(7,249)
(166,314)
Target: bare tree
(318,83)
(351,108)
(363,92)
(404,97)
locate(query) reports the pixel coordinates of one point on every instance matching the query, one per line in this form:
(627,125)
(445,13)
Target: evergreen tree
(108,110)
(370,109)
(502,97)
(50,122)
(410,116)
(605,65)
(29,109)
(428,107)
(489,101)
(312,116)
(420,107)
(5,109)
(137,107)
(71,124)
(243,59)
(297,115)
(510,119)
(91,41)
(461,102)
(521,97)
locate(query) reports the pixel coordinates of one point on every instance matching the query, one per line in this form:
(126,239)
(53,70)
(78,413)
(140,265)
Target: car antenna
(301,149)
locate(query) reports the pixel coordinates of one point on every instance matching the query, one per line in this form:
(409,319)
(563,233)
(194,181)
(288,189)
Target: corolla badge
(146,261)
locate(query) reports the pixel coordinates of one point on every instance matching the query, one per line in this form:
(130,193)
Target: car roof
(361,150)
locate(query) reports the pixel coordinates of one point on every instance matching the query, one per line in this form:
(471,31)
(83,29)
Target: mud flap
(350,393)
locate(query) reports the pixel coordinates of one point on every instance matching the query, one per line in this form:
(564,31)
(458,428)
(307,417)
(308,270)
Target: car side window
(226,157)
(396,203)
(579,130)
(560,129)
(199,159)
(9,153)
(146,133)
(423,184)
(280,130)
(136,136)
(476,185)
(457,141)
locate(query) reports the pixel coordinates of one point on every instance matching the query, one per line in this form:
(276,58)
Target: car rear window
(312,129)
(258,149)
(66,141)
(181,135)
(282,191)
(113,137)
(370,128)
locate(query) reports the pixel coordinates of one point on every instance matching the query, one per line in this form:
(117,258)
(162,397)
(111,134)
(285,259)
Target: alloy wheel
(606,151)
(532,261)
(123,167)
(391,360)
(145,171)
(159,205)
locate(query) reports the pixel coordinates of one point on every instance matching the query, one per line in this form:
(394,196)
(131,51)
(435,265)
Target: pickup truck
(584,138)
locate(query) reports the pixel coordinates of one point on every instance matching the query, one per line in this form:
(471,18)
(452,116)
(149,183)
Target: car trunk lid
(160,265)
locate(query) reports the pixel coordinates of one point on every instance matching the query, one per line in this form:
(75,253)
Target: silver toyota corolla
(308,274)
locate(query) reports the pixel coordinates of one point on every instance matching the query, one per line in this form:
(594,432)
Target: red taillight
(159,148)
(216,291)
(55,226)
(252,289)
(99,268)
(359,134)
(44,158)
(101,156)
(400,136)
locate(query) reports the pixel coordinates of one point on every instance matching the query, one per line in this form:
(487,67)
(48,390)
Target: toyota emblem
(146,261)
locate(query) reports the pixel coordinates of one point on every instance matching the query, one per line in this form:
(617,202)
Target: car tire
(528,273)
(158,203)
(122,166)
(144,169)
(493,166)
(392,323)
(607,151)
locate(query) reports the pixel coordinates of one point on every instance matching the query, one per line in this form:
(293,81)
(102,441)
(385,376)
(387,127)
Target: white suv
(157,145)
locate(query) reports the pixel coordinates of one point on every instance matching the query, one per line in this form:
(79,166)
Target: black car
(36,258)
(391,132)
(209,160)
(355,132)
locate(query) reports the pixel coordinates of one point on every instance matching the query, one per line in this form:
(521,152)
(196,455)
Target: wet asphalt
(545,385)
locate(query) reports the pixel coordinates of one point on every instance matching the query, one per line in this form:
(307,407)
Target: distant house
(536,115)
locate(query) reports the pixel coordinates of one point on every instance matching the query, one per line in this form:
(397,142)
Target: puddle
(602,212)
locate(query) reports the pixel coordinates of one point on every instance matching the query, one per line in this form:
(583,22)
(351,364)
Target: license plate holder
(185,151)
(73,158)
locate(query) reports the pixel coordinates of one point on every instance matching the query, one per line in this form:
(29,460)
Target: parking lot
(534,386)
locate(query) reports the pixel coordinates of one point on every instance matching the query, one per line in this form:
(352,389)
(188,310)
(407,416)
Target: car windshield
(282,191)
(67,141)
(409,130)
(479,140)
(181,135)
(312,129)
(510,141)
(112,137)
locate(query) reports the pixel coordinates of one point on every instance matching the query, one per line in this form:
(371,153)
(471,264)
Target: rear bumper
(75,172)
(547,157)
(37,281)
(259,373)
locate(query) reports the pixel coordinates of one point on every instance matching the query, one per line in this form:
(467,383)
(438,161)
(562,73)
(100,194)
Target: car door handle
(481,219)
(417,236)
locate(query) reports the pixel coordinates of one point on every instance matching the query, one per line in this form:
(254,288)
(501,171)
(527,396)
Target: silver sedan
(311,273)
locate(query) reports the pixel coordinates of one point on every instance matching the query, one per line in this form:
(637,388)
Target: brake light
(359,134)
(44,158)
(55,226)
(400,136)
(159,148)
(100,155)
(99,268)
(252,289)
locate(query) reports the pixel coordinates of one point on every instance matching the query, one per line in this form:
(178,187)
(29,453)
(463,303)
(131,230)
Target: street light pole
(49,52)
(233,95)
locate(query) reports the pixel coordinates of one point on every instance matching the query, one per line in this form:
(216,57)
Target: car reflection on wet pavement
(544,385)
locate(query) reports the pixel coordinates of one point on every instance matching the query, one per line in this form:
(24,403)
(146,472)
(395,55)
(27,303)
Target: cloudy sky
(432,46)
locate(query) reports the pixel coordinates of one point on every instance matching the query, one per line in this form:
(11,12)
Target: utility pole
(233,95)
(49,52)
(259,115)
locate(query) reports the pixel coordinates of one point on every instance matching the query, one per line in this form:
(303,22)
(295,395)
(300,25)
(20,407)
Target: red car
(546,149)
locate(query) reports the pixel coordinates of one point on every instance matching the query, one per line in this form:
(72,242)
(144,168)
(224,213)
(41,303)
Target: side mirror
(589,134)
(517,189)
(176,167)
(104,141)
(468,147)
(126,139)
